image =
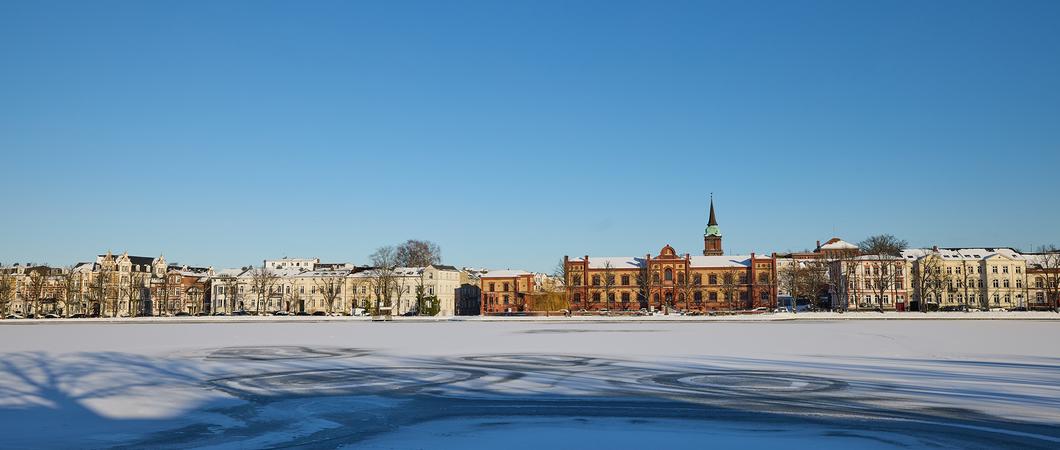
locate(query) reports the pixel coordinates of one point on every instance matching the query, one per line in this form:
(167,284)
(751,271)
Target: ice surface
(532,384)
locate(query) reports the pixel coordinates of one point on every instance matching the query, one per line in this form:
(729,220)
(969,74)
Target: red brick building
(669,280)
(506,291)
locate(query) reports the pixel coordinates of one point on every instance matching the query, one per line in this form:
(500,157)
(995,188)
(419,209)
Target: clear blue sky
(223,133)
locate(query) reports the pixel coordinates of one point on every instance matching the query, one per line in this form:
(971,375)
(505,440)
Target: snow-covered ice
(531,384)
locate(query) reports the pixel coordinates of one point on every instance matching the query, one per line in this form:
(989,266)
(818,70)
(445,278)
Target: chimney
(818,244)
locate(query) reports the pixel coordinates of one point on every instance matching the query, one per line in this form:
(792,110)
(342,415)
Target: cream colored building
(871,282)
(440,283)
(974,277)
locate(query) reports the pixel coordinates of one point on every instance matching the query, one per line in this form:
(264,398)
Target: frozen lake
(522,385)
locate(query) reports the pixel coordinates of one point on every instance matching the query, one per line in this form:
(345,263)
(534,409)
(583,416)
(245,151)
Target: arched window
(577,298)
(668,274)
(697,296)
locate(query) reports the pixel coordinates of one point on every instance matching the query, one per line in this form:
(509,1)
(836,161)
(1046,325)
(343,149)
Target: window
(713,296)
(625,297)
(1006,283)
(596,280)
(712,279)
(625,280)
(577,297)
(668,274)
(697,279)
(596,296)
(995,283)
(506,287)
(763,278)
(1004,269)
(505,299)
(993,269)
(697,296)
(764,295)
(611,297)
(681,278)
(492,287)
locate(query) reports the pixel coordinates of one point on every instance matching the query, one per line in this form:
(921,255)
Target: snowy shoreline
(768,317)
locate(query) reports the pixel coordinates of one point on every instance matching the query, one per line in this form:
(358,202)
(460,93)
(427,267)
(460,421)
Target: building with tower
(669,280)
(712,235)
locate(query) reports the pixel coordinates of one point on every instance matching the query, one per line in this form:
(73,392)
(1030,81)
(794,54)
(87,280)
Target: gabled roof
(962,254)
(505,273)
(838,244)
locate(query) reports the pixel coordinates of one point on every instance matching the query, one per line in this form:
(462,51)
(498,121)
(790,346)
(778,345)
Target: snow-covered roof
(320,273)
(233,272)
(632,262)
(721,261)
(616,262)
(961,254)
(838,244)
(505,273)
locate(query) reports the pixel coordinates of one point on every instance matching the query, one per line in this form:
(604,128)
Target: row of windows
(697,296)
(697,279)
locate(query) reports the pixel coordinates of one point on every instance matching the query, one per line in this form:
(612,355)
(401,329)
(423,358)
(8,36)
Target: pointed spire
(713,221)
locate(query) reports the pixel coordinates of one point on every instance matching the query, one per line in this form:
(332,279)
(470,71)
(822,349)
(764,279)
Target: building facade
(670,281)
(968,277)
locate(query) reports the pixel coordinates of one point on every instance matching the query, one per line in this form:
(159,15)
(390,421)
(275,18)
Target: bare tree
(646,282)
(70,285)
(730,288)
(7,292)
(687,288)
(607,285)
(262,281)
(930,281)
(163,296)
(102,288)
(230,285)
(419,254)
(384,277)
(33,289)
(330,287)
(293,297)
(1047,265)
(883,250)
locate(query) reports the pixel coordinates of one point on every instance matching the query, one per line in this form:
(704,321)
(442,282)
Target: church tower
(712,236)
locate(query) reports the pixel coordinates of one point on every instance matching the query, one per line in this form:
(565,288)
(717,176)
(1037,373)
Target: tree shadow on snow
(263,397)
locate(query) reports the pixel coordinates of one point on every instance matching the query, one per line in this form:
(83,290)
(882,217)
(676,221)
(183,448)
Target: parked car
(201,313)
(301,313)
(220,313)
(182,314)
(281,313)
(240,313)
(13,316)
(319,313)
(77,316)
(51,316)
(1018,308)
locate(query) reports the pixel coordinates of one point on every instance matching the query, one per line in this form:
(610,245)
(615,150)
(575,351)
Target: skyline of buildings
(834,275)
